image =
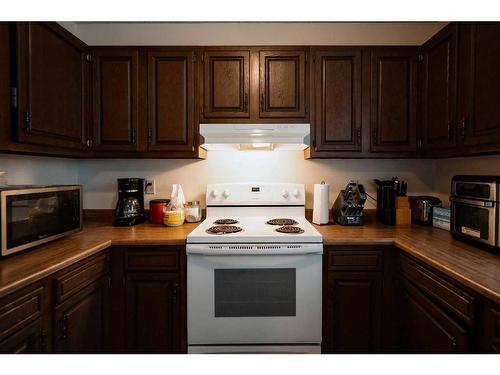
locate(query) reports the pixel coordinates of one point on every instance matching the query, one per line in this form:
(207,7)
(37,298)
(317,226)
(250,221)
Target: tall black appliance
(387,191)
(130,205)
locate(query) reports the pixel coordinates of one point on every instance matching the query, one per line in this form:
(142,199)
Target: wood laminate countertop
(471,266)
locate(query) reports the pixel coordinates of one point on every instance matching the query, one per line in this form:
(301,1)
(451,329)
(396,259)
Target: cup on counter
(174,218)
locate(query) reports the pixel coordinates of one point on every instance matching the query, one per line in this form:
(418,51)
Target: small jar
(173,218)
(193,211)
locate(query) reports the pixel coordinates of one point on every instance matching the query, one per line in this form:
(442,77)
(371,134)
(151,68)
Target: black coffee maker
(130,206)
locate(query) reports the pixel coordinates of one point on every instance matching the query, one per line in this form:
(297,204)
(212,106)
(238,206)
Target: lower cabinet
(426,328)
(80,321)
(353,300)
(29,339)
(353,312)
(152,312)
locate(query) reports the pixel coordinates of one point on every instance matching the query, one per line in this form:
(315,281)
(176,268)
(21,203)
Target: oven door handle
(212,252)
(473,202)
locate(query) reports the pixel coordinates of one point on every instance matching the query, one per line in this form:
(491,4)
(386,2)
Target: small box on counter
(441,218)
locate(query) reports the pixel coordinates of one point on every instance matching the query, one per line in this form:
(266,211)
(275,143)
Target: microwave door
(472,219)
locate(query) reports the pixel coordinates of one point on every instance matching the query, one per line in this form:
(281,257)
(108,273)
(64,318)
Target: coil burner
(224,229)
(225,221)
(289,229)
(282,221)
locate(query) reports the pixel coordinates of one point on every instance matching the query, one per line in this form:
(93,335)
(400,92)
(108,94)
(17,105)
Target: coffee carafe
(130,205)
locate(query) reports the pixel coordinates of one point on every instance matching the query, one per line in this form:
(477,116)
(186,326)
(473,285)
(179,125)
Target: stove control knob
(225,194)
(214,194)
(285,193)
(296,193)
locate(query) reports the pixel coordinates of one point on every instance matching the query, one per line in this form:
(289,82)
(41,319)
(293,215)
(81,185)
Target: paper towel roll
(321,208)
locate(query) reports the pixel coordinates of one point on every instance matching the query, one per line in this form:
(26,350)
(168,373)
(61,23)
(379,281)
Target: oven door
(254,299)
(474,219)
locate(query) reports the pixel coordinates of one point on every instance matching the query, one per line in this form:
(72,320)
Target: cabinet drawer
(355,260)
(447,294)
(18,310)
(148,260)
(80,276)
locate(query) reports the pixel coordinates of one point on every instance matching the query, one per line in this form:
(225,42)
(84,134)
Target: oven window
(31,217)
(472,221)
(476,190)
(254,292)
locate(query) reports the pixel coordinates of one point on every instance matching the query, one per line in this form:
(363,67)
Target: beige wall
(254,33)
(99,176)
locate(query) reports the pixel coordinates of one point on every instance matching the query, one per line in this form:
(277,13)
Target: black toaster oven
(475,209)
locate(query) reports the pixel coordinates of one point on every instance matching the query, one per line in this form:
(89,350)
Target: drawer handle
(175,288)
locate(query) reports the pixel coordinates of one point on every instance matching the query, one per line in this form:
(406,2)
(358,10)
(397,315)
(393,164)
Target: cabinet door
(439,90)
(52,74)
(171,100)
(30,339)
(393,99)
(337,79)
(226,84)
(480,83)
(353,312)
(80,322)
(115,85)
(283,84)
(426,328)
(152,311)
(5,83)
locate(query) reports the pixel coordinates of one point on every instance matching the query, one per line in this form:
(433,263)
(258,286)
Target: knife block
(403,211)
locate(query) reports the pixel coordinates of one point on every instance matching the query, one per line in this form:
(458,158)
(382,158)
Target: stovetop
(255,230)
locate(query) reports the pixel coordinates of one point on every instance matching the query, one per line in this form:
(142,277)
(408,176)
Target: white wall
(38,170)
(254,33)
(98,177)
(447,168)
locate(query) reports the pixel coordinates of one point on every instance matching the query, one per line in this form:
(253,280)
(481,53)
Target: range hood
(255,136)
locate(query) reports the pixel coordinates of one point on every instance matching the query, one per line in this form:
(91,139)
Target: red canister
(156,209)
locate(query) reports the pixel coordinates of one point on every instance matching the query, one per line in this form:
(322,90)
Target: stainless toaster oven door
(475,219)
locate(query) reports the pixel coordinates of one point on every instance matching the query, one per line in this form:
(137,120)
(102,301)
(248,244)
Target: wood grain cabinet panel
(152,311)
(28,340)
(337,80)
(171,100)
(428,329)
(115,85)
(353,312)
(480,84)
(80,322)
(52,86)
(283,84)
(5,82)
(393,99)
(439,90)
(226,84)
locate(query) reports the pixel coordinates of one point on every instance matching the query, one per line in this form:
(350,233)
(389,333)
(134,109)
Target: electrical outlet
(150,187)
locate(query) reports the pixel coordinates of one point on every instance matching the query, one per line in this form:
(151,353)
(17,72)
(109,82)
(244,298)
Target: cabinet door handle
(375,136)
(64,327)
(133,136)
(464,126)
(27,122)
(175,288)
(454,344)
(358,136)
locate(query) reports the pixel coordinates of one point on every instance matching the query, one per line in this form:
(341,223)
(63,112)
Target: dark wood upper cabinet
(393,99)
(5,84)
(283,84)
(80,321)
(226,84)
(337,99)
(479,87)
(52,86)
(152,311)
(115,96)
(439,90)
(171,100)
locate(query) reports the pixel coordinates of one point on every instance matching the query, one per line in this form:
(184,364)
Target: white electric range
(254,272)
